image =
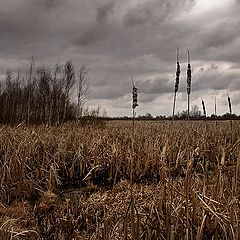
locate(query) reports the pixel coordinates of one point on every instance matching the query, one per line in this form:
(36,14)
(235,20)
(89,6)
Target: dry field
(74,182)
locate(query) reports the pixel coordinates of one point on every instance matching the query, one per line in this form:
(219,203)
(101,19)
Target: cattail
(134,105)
(176,82)
(204,109)
(134,96)
(177,72)
(189,78)
(229,105)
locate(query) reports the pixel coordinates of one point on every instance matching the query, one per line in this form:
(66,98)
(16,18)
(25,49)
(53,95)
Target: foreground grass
(73,182)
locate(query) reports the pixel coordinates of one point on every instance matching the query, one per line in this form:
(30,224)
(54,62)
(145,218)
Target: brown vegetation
(73,181)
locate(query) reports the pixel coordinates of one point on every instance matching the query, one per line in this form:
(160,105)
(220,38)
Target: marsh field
(104,180)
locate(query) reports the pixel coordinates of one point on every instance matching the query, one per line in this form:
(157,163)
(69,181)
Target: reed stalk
(132,202)
(230,111)
(134,105)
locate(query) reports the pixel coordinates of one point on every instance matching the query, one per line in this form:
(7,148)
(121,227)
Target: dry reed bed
(72,182)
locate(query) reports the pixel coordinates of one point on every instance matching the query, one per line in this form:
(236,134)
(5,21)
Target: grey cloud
(100,29)
(212,79)
(217,40)
(145,98)
(155,86)
(117,40)
(17,24)
(103,10)
(235,66)
(154,11)
(51,3)
(95,34)
(221,34)
(214,66)
(108,91)
(235,98)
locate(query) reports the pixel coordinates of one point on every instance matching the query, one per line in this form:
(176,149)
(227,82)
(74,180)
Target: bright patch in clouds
(212,5)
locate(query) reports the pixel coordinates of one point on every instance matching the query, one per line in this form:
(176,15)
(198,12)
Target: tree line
(43,94)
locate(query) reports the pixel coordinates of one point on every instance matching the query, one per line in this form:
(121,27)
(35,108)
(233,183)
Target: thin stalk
(215,107)
(215,110)
(230,111)
(131,163)
(132,204)
(187,186)
(174,103)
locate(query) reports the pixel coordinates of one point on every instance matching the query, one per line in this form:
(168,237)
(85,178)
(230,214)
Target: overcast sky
(121,38)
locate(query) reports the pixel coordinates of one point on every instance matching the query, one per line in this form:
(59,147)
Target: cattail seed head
(230,105)
(177,77)
(204,108)
(134,96)
(189,75)
(177,72)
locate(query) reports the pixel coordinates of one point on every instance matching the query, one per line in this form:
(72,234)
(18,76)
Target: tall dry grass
(73,182)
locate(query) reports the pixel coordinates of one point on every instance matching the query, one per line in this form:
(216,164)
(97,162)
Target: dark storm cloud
(118,39)
(51,3)
(110,37)
(155,86)
(24,27)
(220,34)
(108,92)
(95,34)
(103,10)
(153,11)
(212,79)
(99,29)
(16,24)
(146,98)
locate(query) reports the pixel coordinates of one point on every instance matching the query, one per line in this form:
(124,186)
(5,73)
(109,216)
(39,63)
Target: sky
(125,38)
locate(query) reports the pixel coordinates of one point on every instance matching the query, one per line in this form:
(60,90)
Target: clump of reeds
(178,71)
(189,79)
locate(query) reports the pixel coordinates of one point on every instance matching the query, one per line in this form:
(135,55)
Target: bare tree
(82,89)
(30,87)
(43,95)
(69,81)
